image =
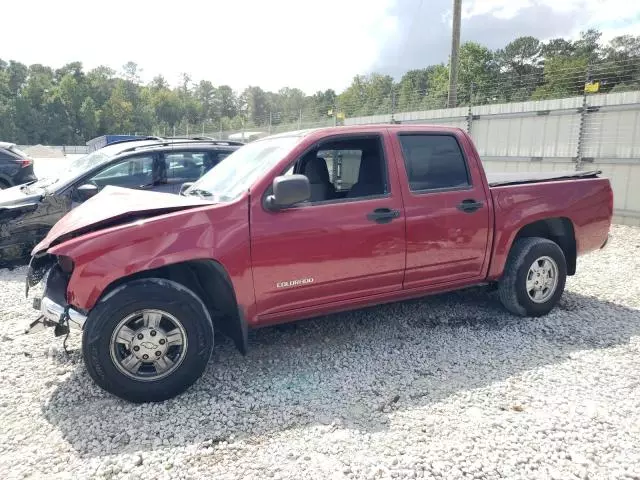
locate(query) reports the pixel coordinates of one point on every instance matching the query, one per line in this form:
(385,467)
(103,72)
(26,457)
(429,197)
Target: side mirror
(288,190)
(184,187)
(86,191)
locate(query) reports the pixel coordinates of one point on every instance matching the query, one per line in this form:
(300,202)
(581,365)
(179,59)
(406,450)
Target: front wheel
(534,277)
(148,341)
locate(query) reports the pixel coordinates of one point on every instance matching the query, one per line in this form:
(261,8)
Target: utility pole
(455,47)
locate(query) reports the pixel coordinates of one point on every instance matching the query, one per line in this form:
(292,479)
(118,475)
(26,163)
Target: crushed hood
(14,197)
(112,206)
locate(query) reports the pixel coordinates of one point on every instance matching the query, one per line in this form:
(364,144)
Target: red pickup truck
(299,225)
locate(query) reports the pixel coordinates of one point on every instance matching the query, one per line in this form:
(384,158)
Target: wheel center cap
(149,344)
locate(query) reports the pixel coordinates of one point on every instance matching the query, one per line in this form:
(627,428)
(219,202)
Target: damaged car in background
(27,212)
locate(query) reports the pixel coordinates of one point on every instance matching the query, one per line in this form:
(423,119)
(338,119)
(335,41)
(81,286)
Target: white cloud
(600,13)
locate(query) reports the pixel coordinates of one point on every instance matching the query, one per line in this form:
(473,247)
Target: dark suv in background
(28,212)
(16,167)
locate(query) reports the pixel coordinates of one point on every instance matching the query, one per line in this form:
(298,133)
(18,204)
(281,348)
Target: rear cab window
(434,162)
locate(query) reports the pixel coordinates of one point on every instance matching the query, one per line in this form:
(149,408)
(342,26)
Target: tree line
(39,104)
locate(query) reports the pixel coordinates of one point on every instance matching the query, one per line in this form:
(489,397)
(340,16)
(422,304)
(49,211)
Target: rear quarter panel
(585,202)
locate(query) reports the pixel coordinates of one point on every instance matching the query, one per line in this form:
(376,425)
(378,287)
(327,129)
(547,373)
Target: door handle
(383,215)
(469,205)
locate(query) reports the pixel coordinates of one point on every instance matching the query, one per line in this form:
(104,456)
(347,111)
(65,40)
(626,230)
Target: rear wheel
(148,341)
(534,277)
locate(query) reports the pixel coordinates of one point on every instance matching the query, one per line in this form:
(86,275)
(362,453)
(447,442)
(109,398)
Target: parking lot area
(446,387)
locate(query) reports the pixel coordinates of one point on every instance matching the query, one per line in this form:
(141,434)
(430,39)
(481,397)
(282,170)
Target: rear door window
(434,162)
(185,166)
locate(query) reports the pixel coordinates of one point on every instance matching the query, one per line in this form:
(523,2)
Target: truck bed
(514,178)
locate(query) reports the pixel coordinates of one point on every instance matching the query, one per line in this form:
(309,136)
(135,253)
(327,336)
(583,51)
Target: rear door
(447,213)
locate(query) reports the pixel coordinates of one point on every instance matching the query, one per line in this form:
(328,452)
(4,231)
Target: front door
(338,246)
(132,172)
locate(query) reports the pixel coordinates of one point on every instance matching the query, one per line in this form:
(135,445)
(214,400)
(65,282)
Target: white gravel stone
(446,387)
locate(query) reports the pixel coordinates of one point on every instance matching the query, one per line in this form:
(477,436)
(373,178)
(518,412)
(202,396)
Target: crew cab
(299,225)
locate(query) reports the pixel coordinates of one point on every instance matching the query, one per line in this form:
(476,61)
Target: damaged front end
(51,274)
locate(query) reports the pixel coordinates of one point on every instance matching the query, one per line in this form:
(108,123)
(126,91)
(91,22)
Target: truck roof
(366,128)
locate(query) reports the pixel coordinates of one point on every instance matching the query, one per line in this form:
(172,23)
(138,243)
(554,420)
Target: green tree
(254,106)
(227,101)
(438,87)
(619,71)
(412,88)
(89,118)
(478,72)
(39,104)
(563,77)
(520,65)
(17,76)
(557,47)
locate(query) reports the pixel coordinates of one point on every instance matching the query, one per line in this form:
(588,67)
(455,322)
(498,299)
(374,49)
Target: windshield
(240,170)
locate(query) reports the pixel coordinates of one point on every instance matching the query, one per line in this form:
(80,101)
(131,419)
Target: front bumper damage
(54,315)
(50,301)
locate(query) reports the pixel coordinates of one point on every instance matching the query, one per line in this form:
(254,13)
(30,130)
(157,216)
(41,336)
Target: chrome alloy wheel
(148,345)
(542,279)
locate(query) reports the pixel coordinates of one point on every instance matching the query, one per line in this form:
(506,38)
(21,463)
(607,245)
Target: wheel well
(210,281)
(558,230)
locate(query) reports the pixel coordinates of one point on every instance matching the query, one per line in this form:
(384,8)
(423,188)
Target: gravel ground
(447,387)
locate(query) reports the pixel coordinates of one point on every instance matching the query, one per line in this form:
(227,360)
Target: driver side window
(344,169)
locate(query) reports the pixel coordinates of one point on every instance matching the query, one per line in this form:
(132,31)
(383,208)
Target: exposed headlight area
(48,277)
(65,264)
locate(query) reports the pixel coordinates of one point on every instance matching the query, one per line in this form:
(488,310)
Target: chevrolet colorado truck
(299,225)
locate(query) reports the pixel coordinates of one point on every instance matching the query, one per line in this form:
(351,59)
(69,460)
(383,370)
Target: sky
(312,45)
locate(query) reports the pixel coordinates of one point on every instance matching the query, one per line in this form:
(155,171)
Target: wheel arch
(559,230)
(209,280)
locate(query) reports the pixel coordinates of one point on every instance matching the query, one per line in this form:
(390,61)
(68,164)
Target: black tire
(125,300)
(512,288)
